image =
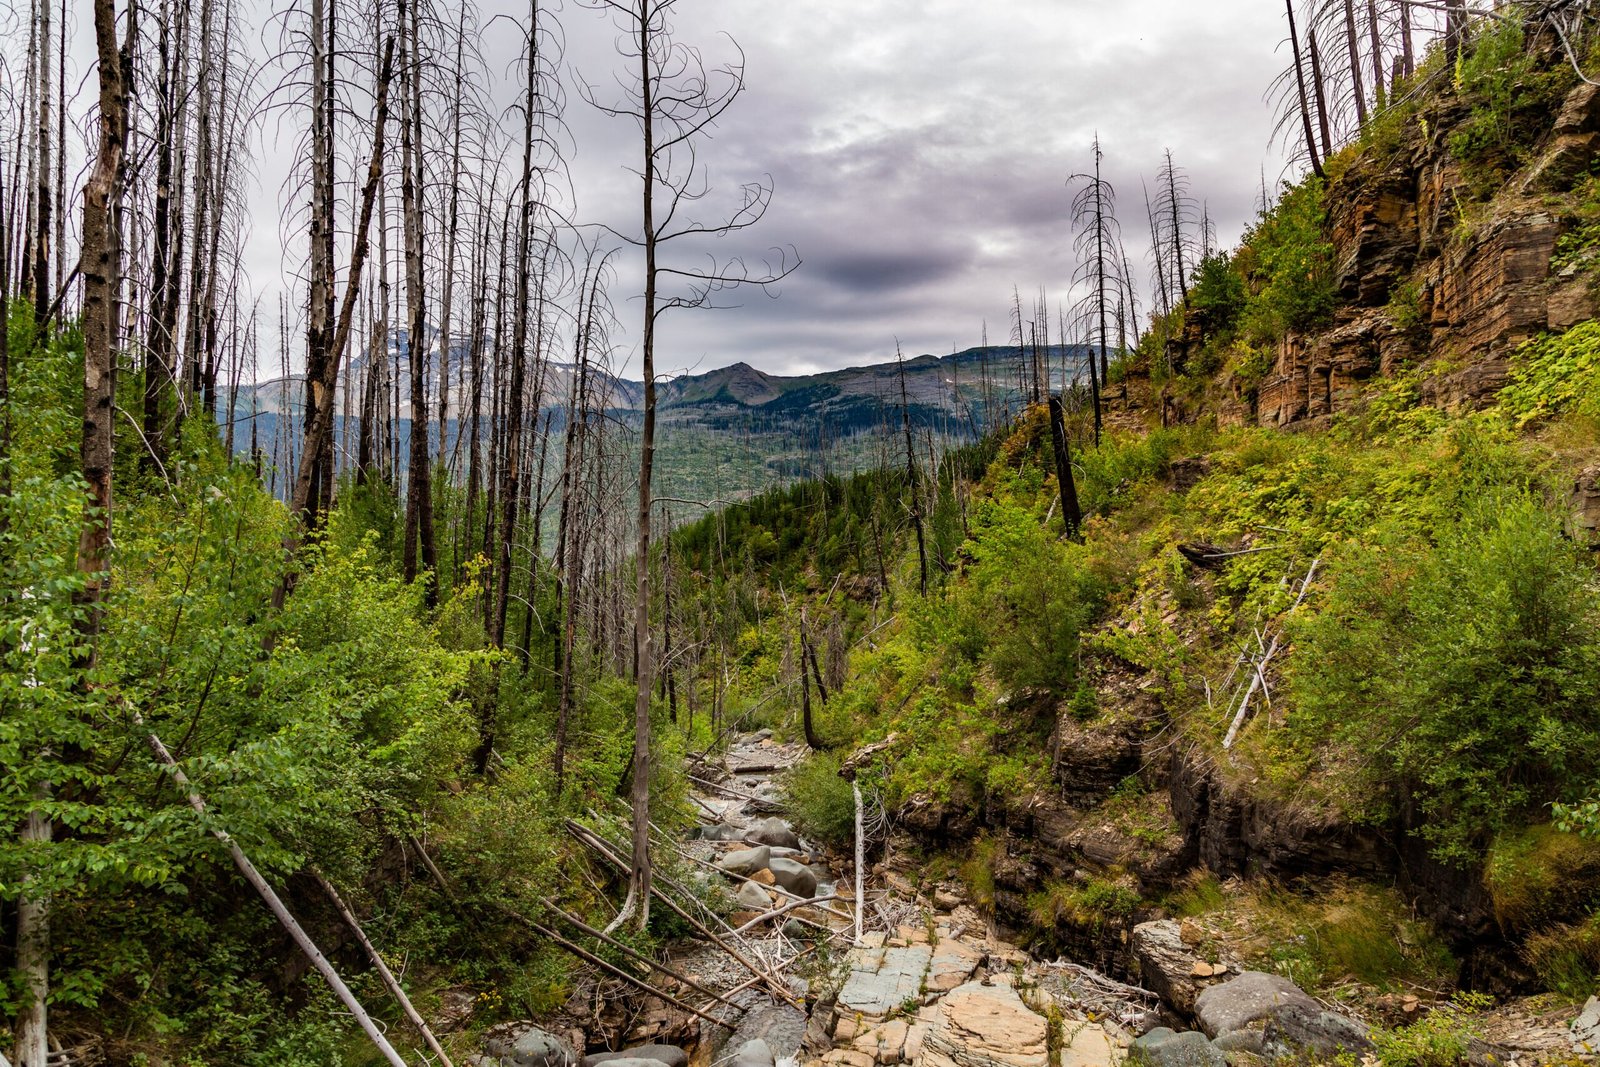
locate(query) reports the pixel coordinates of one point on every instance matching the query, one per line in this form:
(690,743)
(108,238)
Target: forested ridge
(1236,613)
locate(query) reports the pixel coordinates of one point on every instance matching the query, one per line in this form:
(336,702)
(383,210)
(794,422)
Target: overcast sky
(920,152)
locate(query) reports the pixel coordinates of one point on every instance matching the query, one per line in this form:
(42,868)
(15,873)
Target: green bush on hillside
(1460,672)
(1554,374)
(1289,262)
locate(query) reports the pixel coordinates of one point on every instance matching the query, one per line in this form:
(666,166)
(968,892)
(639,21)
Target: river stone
(797,878)
(746,861)
(752,896)
(721,832)
(533,1047)
(1163,1048)
(775,832)
(671,1055)
(1294,1030)
(979,1025)
(1253,995)
(753,1053)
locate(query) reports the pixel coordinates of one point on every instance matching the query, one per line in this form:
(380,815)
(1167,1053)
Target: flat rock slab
(981,1025)
(1252,996)
(1586,1029)
(884,980)
(670,1055)
(1089,1046)
(953,963)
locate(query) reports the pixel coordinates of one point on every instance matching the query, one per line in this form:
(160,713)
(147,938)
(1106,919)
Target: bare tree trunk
(319,323)
(511,453)
(1352,42)
(1406,55)
(1300,80)
(101,258)
(1376,43)
(419,496)
(319,425)
(1319,94)
(1071,514)
(41,237)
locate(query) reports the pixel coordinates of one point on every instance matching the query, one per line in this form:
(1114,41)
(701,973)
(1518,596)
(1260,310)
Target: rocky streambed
(930,981)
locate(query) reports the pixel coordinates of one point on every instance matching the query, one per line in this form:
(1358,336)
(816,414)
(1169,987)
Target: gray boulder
(797,878)
(721,832)
(670,1055)
(1163,1048)
(1295,1030)
(1253,996)
(1251,1041)
(533,1047)
(753,897)
(775,832)
(754,1053)
(746,861)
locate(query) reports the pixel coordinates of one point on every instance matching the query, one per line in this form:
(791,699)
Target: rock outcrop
(985,1024)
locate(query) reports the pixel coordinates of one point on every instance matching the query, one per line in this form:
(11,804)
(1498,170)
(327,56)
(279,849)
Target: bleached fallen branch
(1258,677)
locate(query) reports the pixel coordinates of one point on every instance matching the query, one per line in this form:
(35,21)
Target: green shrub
(1566,957)
(1439,1039)
(1218,294)
(1554,374)
(1289,263)
(1511,100)
(820,802)
(1538,875)
(1461,672)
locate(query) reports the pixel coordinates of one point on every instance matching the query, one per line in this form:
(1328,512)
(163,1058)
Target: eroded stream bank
(932,981)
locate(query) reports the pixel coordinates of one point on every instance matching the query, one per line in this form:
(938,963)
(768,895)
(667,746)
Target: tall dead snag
(101,266)
(419,495)
(1094,211)
(1375,45)
(511,453)
(101,258)
(1318,94)
(1305,104)
(1353,46)
(675,100)
(1071,513)
(911,473)
(1177,213)
(319,420)
(319,321)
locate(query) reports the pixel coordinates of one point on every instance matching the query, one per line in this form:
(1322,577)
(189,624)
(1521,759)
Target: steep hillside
(1324,695)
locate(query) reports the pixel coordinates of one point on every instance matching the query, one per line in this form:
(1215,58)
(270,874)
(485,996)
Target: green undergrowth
(1319,938)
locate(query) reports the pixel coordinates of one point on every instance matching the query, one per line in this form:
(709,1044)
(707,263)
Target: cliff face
(1474,280)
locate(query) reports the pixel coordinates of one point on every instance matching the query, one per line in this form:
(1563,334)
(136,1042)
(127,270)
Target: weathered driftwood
(276,905)
(612,969)
(861,854)
(1258,679)
(389,980)
(634,954)
(597,844)
(784,909)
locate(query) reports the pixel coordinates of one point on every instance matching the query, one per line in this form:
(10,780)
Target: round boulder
(797,878)
(746,861)
(775,832)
